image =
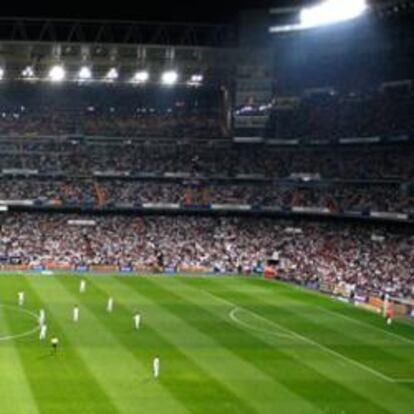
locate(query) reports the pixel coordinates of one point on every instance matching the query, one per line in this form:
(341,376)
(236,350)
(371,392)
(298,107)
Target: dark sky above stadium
(209,11)
(156,10)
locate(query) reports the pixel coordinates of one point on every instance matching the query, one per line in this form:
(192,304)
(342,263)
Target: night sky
(154,10)
(208,11)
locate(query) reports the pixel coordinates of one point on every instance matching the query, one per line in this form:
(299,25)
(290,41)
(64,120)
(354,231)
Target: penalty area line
(23,334)
(234,318)
(404,380)
(362,323)
(327,350)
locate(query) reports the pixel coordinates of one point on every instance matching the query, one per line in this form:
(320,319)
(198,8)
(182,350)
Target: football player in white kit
(156,366)
(20,298)
(42,317)
(137,320)
(110,305)
(76,314)
(43,332)
(82,286)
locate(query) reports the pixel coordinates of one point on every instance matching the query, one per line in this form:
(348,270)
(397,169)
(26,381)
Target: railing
(210,209)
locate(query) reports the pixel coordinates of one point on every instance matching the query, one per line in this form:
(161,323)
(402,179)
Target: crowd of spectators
(206,158)
(121,111)
(52,191)
(113,192)
(106,110)
(49,123)
(337,199)
(329,115)
(371,258)
(149,125)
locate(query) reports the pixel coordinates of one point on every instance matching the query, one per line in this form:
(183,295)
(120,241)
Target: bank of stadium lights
(196,80)
(169,77)
(142,76)
(1,73)
(332,11)
(57,73)
(28,72)
(112,75)
(84,74)
(326,13)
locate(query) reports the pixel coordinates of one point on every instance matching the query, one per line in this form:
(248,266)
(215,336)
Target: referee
(55,343)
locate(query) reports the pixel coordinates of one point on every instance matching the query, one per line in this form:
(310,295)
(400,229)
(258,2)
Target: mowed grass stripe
(376,349)
(336,371)
(396,398)
(252,384)
(111,364)
(381,348)
(60,384)
(192,385)
(301,379)
(401,331)
(15,391)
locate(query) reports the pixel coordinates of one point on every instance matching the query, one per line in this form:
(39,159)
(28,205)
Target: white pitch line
(395,335)
(404,380)
(349,318)
(311,342)
(234,318)
(24,334)
(324,348)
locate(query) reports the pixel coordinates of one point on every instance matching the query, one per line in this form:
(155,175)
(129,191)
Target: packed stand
(327,115)
(108,110)
(373,259)
(74,157)
(113,193)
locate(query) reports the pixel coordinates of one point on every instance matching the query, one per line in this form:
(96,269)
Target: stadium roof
(116,32)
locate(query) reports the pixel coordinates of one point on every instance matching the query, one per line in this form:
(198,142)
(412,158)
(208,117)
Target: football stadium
(208,209)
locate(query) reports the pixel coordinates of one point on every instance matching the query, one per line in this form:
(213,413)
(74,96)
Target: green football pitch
(226,345)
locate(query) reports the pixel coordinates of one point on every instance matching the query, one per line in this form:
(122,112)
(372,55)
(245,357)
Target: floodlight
(141,76)
(197,78)
(332,11)
(85,73)
(169,77)
(112,74)
(57,73)
(1,73)
(28,72)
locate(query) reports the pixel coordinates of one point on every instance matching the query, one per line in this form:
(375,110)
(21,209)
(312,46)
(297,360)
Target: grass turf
(226,344)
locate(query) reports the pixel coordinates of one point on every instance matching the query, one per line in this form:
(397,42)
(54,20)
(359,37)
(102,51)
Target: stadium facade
(135,119)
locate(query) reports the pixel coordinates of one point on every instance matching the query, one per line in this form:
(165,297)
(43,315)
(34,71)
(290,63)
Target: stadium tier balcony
(325,114)
(86,157)
(106,110)
(115,193)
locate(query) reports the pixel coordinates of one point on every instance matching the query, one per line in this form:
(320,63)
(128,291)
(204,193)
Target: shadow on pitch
(146,380)
(48,355)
